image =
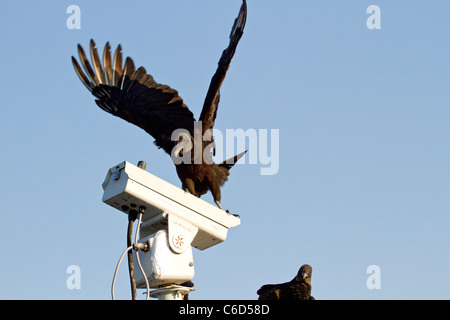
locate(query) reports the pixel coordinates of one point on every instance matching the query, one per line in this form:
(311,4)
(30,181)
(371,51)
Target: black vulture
(134,96)
(298,288)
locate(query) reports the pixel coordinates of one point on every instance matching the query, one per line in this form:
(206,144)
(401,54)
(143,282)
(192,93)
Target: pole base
(173,292)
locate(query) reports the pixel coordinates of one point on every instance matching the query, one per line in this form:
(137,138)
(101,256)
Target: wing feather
(117,66)
(134,95)
(82,76)
(107,64)
(86,65)
(97,64)
(210,106)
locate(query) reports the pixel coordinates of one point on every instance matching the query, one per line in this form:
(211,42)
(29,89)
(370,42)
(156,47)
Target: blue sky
(364,144)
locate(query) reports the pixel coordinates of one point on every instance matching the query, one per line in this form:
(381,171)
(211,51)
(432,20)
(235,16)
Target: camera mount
(173,222)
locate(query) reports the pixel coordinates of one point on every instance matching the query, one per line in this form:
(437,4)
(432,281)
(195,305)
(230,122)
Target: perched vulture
(134,96)
(298,288)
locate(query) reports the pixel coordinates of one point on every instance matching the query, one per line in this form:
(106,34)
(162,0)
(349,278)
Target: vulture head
(304,274)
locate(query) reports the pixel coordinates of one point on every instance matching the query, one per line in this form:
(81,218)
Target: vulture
(133,95)
(298,288)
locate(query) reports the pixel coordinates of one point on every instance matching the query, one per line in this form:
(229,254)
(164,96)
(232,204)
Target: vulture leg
(189,186)
(215,190)
(218,204)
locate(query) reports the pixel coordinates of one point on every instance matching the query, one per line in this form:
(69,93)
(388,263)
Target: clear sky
(364,144)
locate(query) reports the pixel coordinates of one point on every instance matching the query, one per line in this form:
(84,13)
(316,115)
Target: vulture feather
(298,288)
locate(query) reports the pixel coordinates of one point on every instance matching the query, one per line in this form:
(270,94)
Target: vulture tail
(229,163)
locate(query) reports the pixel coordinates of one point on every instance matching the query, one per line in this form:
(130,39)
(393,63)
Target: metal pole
(132,216)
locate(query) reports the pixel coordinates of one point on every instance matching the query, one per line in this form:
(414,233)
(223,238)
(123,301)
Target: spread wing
(134,95)
(209,111)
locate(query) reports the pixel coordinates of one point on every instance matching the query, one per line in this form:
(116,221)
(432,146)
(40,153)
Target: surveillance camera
(127,187)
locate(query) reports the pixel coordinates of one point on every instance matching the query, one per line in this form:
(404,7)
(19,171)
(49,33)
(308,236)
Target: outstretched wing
(134,95)
(209,111)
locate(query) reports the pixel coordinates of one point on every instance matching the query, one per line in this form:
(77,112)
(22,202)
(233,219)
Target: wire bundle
(137,247)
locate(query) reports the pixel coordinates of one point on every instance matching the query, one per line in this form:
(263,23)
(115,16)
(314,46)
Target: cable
(141,212)
(117,269)
(131,220)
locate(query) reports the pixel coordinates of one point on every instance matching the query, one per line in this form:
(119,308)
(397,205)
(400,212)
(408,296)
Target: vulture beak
(185,145)
(304,275)
(177,150)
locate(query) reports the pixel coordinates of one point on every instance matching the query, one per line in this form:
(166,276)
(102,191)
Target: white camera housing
(127,187)
(161,265)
